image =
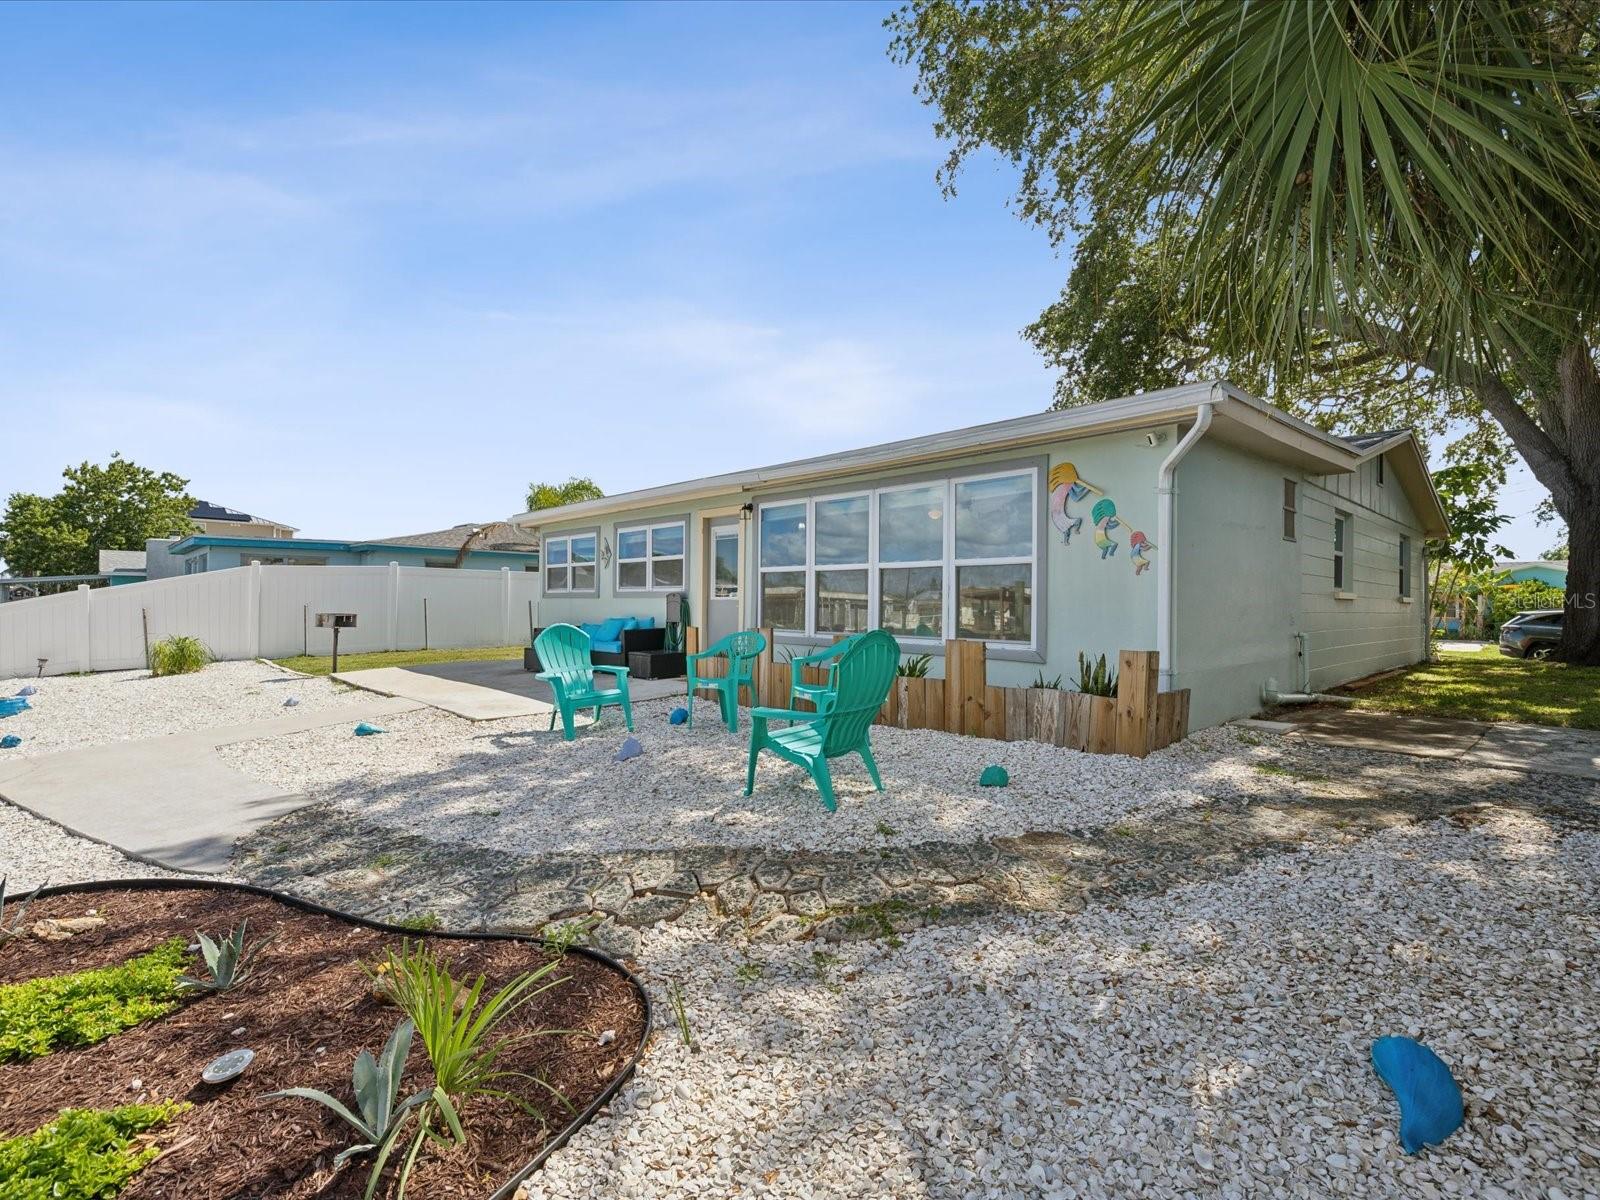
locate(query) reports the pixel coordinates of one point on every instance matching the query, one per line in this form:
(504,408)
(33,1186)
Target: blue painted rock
(678,715)
(10,742)
(291,702)
(1430,1101)
(28,690)
(994,775)
(630,748)
(10,706)
(366,730)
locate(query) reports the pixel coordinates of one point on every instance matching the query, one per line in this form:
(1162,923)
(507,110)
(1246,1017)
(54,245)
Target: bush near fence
(1137,721)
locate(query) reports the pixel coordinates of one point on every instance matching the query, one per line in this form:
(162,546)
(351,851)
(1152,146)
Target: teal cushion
(601,646)
(610,629)
(592,630)
(630,623)
(646,623)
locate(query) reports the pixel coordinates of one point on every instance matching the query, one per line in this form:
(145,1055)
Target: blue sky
(368,270)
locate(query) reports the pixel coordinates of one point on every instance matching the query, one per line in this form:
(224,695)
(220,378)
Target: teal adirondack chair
(741,650)
(564,652)
(815,691)
(861,681)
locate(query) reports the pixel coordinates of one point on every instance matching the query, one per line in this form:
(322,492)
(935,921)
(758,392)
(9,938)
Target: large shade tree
(1382,211)
(111,507)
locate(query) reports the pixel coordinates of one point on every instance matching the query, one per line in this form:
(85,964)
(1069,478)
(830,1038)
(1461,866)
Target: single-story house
(122,566)
(501,547)
(1550,571)
(1240,542)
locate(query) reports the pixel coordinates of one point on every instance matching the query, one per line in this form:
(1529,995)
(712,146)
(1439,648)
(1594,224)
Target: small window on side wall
(1378,470)
(1288,509)
(1405,567)
(1341,551)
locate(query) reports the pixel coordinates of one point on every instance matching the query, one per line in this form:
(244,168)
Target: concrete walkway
(508,675)
(169,800)
(452,696)
(1547,748)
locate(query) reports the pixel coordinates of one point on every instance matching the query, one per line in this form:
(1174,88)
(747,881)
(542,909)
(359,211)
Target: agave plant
(915,668)
(1097,678)
(11,926)
(227,963)
(380,1115)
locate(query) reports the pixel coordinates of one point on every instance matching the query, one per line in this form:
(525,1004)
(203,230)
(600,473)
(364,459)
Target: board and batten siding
(1375,629)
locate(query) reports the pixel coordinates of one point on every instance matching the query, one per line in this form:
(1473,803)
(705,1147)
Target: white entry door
(722,593)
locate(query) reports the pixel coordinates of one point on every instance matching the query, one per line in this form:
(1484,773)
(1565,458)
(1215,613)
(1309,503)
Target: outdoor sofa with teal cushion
(611,640)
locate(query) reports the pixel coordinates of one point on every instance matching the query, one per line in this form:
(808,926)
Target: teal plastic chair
(861,681)
(564,653)
(815,691)
(741,650)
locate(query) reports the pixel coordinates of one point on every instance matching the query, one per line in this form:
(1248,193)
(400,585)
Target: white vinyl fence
(268,612)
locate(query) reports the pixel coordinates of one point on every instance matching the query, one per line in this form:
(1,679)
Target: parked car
(1532,634)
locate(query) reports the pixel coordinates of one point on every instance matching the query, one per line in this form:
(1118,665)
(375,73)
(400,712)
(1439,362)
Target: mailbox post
(336,622)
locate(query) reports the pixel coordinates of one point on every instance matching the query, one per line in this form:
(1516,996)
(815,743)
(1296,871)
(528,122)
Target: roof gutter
(1165,601)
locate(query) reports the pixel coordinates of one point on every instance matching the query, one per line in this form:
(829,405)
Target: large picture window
(650,557)
(919,560)
(569,563)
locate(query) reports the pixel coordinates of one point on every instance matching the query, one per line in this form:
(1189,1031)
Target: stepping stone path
(339,859)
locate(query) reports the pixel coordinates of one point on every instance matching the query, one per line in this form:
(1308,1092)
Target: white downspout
(1165,607)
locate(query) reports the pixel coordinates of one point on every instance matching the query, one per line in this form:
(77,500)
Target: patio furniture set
(859,671)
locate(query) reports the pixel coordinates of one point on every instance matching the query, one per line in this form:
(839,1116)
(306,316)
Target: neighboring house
(1469,613)
(207,552)
(1196,521)
(122,566)
(230,522)
(1551,571)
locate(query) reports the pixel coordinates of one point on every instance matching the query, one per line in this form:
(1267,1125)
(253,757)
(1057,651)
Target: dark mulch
(306,1011)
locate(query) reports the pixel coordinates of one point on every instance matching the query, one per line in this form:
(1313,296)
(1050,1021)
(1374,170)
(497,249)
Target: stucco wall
(1236,589)
(1091,603)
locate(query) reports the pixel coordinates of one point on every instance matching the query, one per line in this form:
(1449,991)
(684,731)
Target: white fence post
(85,658)
(392,634)
(505,606)
(252,620)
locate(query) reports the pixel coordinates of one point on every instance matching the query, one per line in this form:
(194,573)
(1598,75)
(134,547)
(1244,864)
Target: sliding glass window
(918,559)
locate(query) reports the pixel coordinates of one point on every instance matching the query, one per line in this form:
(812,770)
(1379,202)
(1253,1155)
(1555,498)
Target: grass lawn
(312,664)
(1488,686)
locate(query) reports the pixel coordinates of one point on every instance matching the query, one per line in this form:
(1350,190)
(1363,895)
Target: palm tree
(1405,183)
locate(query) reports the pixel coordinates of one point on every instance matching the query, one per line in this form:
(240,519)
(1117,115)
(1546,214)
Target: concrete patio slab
(1540,748)
(507,675)
(168,800)
(1426,737)
(470,700)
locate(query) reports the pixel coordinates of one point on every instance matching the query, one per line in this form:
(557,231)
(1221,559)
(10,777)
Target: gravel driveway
(72,711)
(1196,1024)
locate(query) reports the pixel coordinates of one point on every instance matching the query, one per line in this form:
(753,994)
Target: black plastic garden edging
(508,1189)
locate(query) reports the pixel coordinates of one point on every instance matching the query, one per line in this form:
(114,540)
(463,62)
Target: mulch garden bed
(306,1010)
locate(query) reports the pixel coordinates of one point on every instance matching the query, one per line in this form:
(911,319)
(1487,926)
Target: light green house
(1238,541)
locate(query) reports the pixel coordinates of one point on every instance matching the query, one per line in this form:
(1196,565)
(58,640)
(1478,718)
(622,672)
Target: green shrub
(178,655)
(1097,678)
(915,668)
(1507,600)
(41,1015)
(85,1152)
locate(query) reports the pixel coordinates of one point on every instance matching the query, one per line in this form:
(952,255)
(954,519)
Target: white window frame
(948,564)
(1343,542)
(1405,567)
(546,566)
(1291,509)
(650,557)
